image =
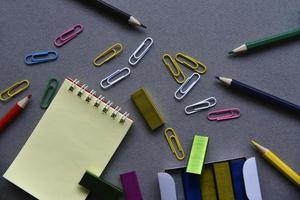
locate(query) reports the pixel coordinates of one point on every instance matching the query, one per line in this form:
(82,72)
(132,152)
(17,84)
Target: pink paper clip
(68,35)
(224,114)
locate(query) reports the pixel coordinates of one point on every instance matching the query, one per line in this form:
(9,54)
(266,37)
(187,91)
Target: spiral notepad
(80,131)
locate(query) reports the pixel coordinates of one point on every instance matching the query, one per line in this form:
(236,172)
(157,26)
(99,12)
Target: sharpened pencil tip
(230,53)
(254,143)
(142,25)
(217,77)
(29,96)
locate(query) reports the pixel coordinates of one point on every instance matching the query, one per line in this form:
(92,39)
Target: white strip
(251,180)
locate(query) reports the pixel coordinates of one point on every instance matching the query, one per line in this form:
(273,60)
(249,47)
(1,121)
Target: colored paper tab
(197,155)
(177,177)
(223,181)
(100,187)
(236,168)
(191,186)
(147,108)
(131,186)
(251,179)
(207,183)
(166,186)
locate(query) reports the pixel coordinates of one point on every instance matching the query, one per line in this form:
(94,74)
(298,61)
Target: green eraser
(197,155)
(147,108)
(100,187)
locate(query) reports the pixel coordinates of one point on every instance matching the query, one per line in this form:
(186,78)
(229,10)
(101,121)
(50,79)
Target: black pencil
(121,15)
(234,84)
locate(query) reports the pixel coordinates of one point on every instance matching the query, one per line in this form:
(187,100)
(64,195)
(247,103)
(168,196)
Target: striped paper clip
(115,77)
(49,93)
(108,54)
(140,51)
(191,63)
(68,35)
(186,86)
(201,105)
(41,57)
(178,74)
(170,135)
(13,90)
(224,114)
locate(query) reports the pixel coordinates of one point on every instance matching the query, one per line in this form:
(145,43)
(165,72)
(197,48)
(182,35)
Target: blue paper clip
(41,57)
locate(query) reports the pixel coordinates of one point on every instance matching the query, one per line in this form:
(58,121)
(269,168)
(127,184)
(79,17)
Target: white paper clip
(182,90)
(115,77)
(140,51)
(201,105)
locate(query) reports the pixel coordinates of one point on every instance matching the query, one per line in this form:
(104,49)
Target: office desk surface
(206,30)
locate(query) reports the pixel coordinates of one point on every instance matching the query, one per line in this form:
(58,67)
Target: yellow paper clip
(190,62)
(174,149)
(13,90)
(176,74)
(108,54)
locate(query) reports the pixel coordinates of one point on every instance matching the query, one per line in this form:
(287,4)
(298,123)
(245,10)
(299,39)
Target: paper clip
(41,57)
(140,51)
(171,134)
(190,62)
(109,53)
(13,90)
(176,74)
(201,105)
(115,77)
(68,35)
(220,115)
(186,86)
(49,93)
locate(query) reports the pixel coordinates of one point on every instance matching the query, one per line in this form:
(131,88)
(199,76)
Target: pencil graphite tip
(255,143)
(142,25)
(259,147)
(230,53)
(29,96)
(217,77)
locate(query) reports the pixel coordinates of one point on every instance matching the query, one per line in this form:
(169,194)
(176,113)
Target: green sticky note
(197,155)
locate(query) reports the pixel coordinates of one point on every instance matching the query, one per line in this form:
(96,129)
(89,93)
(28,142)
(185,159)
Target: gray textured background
(206,30)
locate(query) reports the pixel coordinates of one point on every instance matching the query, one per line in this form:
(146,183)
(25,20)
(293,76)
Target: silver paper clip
(115,77)
(201,105)
(140,51)
(183,89)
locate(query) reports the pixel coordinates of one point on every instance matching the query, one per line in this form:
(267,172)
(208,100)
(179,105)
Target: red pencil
(14,112)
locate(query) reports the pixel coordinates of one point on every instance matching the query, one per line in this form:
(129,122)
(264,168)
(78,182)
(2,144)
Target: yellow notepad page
(73,136)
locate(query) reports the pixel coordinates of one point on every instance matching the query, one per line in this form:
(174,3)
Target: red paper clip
(68,35)
(224,114)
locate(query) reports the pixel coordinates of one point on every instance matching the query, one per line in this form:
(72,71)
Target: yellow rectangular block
(147,108)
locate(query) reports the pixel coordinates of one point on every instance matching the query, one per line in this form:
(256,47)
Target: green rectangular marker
(197,155)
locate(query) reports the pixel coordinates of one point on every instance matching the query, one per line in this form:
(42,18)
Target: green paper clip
(49,93)
(100,187)
(197,155)
(147,108)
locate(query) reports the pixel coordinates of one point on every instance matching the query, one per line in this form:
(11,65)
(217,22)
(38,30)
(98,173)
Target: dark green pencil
(263,42)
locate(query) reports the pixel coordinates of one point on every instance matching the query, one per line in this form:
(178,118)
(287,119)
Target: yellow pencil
(278,163)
